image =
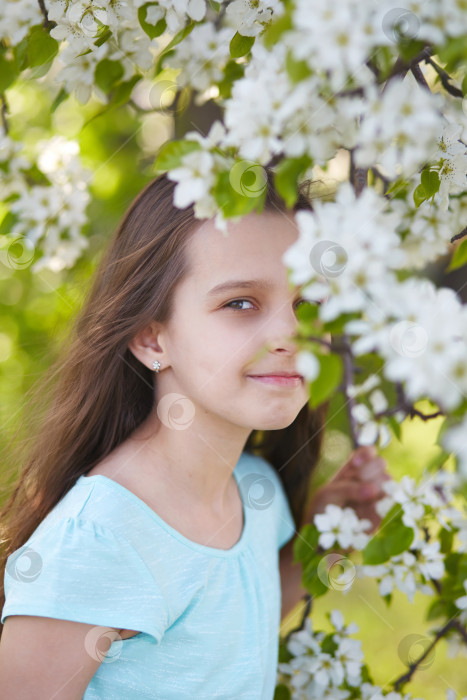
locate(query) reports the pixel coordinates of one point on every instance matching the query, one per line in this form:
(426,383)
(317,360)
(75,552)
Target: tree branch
(347,358)
(47,23)
(451,624)
(445,79)
(4,111)
(419,77)
(459,235)
(404,405)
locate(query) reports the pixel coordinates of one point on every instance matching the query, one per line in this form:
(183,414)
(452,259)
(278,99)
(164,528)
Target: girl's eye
(236,301)
(239,301)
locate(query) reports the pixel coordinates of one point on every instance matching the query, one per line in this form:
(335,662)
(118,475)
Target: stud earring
(156,365)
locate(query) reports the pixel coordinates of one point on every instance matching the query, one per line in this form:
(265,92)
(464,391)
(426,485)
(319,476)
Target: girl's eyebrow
(244,284)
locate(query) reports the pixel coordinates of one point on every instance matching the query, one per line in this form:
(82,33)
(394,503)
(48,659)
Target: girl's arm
(358,485)
(43,658)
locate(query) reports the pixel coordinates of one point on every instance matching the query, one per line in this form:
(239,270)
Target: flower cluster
(196,175)
(52,212)
(409,571)
(326,665)
(429,500)
(341,526)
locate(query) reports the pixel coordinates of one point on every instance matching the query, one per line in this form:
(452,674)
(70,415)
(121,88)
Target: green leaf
(297,70)
(337,325)
(275,30)
(464,85)
(328,645)
(182,34)
(305,546)
(419,195)
(453,53)
(9,71)
(102,38)
(436,609)
(311,580)
(446,538)
(20,53)
(329,378)
(41,47)
(398,187)
(170,155)
(152,30)
(61,96)
(233,71)
(240,45)
(392,538)
(240,190)
(281,692)
(308,312)
(286,177)
(122,91)
(107,73)
(396,428)
(7,223)
(459,257)
(430,182)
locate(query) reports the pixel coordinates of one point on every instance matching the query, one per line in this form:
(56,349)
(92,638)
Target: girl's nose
(282,329)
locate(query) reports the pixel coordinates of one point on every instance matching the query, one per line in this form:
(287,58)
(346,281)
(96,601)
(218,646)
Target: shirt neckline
(212,551)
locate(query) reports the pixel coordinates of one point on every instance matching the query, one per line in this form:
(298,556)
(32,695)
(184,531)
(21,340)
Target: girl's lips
(277,380)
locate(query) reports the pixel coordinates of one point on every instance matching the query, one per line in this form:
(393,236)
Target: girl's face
(210,343)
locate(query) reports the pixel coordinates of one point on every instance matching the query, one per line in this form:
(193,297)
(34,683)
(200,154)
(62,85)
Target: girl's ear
(145,345)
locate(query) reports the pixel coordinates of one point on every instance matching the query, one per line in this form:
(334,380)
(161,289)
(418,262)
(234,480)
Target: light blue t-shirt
(208,618)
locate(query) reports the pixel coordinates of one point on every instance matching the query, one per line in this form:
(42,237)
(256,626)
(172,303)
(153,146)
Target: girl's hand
(357,484)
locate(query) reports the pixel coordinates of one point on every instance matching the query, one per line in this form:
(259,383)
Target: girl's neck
(197,468)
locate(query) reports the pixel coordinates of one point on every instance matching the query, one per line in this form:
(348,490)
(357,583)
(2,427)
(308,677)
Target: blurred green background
(118,146)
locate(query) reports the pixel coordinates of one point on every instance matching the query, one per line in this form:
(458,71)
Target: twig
(405,678)
(315,339)
(419,77)
(386,181)
(358,176)
(406,407)
(347,358)
(308,599)
(4,111)
(445,79)
(459,235)
(47,23)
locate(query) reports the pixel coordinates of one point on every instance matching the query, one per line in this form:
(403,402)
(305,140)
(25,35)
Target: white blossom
(250,17)
(399,128)
(341,526)
(202,57)
(347,249)
(17,17)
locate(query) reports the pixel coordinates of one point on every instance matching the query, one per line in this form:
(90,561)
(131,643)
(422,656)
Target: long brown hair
(98,392)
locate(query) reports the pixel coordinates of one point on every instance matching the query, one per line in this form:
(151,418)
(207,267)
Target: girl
(141,543)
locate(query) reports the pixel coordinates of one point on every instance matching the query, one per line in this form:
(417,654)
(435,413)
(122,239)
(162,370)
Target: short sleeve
(79,570)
